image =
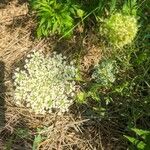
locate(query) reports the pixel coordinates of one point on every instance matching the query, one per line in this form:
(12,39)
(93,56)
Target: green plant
(38,139)
(104,73)
(130,7)
(56,17)
(142,141)
(120,29)
(22,133)
(46,83)
(102,78)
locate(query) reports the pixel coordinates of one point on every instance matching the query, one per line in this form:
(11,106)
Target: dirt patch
(91,58)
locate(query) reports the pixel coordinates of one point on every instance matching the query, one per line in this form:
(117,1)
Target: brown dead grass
(90,59)
(14,41)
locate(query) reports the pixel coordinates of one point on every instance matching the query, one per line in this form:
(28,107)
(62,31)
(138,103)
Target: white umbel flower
(104,72)
(45,84)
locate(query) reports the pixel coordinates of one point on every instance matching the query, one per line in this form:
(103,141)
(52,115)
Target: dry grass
(14,40)
(90,59)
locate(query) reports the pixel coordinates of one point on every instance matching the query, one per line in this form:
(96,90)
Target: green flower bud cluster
(45,84)
(120,29)
(104,72)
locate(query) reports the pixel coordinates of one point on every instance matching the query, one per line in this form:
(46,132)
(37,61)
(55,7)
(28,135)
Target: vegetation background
(104,116)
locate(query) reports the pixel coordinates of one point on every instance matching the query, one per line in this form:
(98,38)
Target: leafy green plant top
(55,17)
(120,29)
(142,141)
(46,83)
(104,72)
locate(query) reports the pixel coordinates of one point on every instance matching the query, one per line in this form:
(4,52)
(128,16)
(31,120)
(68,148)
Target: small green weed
(38,139)
(22,133)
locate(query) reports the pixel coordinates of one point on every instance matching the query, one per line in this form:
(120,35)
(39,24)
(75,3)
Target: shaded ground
(2,99)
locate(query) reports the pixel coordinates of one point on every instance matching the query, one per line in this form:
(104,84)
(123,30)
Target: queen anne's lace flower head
(120,29)
(104,72)
(45,83)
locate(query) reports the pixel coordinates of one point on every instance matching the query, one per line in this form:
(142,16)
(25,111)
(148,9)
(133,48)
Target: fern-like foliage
(142,141)
(55,17)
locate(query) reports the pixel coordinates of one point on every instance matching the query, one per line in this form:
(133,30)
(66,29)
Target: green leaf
(139,144)
(141,58)
(44,31)
(45,9)
(39,32)
(55,26)
(130,7)
(42,21)
(141,133)
(72,11)
(81,97)
(80,13)
(55,17)
(113,5)
(37,141)
(94,95)
(49,24)
(78,76)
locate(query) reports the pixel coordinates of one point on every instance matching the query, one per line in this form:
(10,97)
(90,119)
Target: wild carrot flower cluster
(120,29)
(104,72)
(45,84)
